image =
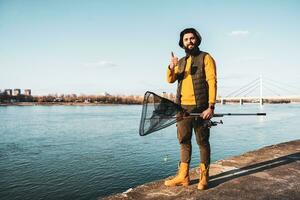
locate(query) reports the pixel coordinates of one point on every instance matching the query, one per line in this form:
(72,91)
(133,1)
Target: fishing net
(158,113)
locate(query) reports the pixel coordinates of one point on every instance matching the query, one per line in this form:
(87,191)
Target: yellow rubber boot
(182,177)
(204,176)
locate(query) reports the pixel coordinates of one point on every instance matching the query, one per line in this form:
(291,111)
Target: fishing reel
(209,123)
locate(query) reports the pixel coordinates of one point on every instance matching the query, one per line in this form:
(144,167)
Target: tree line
(73,98)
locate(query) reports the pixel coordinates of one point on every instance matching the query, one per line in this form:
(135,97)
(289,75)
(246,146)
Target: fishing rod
(229,114)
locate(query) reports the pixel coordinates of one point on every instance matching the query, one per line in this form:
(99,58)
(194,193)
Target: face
(189,40)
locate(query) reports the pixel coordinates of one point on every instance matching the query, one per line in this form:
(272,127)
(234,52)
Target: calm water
(87,152)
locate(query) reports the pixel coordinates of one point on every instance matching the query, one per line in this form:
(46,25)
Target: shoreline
(59,104)
(271,172)
(103,104)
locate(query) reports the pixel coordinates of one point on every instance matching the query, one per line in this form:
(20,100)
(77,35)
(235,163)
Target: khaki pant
(184,134)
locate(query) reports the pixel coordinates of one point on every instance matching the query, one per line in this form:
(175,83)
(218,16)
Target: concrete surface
(271,172)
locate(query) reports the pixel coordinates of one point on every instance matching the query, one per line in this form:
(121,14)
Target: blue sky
(123,47)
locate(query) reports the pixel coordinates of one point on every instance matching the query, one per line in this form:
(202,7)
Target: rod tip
(264,114)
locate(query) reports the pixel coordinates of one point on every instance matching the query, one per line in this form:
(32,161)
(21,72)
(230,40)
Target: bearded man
(196,92)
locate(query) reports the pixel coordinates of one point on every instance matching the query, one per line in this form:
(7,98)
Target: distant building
(87,101)
(171,96)
(8,92)
(106,94)
(58,99)
(165,95)
(17,92)
(27,92)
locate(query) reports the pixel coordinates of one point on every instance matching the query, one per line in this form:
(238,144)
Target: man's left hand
(208,113)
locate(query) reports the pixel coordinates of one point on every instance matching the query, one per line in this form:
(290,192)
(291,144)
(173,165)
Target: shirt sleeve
(172,74)
(211,78)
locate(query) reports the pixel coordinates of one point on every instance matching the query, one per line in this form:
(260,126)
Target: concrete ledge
(271,172)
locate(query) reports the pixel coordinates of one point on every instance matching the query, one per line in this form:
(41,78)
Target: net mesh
(157,113)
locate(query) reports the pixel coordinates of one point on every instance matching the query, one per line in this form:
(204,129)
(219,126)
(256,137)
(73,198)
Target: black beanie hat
(190,30)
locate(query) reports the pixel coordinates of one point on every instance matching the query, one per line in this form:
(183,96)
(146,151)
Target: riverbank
(272,172)
(59,104)
(100,104)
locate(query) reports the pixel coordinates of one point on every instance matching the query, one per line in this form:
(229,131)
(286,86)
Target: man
(196,92)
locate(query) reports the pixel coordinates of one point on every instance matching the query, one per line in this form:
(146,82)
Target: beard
(192,52)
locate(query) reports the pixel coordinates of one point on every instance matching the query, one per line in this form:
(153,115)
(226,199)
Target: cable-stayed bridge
(263,90)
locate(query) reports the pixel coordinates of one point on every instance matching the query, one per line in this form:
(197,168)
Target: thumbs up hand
(173,61)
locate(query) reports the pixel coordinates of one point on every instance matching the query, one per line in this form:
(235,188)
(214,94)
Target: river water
(87,152)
